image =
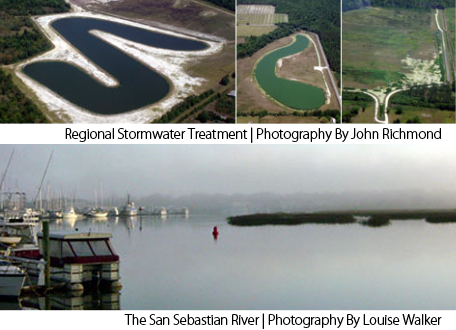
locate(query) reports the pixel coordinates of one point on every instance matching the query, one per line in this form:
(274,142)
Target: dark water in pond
(176,264)
(139,86)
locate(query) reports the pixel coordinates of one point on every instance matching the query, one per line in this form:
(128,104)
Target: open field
(249,30)
(256,9)
(298,67)
(386,47)
(425,115)
(364,116)
(261,19)
(256,20)
(171,14)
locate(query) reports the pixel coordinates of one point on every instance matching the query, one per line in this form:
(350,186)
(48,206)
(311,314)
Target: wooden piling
(46,254)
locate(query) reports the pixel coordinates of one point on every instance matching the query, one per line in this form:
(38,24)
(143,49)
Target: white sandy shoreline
(170,64)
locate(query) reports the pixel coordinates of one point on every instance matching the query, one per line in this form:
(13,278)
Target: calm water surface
(176,264)
(293,94)
(139,85)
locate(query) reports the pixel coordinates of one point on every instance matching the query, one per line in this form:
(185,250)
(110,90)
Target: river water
(176,264)
(139,85)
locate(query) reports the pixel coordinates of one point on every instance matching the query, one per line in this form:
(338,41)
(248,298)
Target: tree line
(33,7)
(433,96)
(186,104)
(22,45)
(19,40)
(14,106)
(228,4)
(319,16)
(409,4)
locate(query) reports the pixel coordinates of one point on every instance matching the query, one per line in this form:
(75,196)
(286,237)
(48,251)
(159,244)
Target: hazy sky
(180,170)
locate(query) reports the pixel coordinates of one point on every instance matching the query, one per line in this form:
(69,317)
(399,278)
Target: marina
(62,268)
(174,276)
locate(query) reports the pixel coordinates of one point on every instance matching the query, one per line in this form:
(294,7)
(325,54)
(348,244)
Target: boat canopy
(79,248)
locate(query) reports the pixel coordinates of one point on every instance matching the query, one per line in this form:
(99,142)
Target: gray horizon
(180,170)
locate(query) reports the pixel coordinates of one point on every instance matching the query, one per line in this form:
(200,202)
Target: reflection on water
(176,264)
(93,300)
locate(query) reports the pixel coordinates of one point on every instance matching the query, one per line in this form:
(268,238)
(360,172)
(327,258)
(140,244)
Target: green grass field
(249,30)
(426,115)
(366,116)
(377,40)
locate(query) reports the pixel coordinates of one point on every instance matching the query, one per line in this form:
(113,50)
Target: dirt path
(387,100)
(377,105)
(442,33)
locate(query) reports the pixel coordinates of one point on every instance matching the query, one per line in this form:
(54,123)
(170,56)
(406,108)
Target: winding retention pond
(293,94)
(138,85)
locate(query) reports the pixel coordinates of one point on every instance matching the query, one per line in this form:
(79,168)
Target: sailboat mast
(42,179)
(101,194)
(4,173)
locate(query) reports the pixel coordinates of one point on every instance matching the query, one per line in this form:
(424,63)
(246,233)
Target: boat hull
(11,285)
(10,240)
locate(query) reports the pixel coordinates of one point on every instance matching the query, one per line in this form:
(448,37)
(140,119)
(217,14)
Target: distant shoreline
(373,218)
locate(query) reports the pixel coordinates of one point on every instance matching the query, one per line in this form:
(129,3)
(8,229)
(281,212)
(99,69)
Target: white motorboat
(11,279)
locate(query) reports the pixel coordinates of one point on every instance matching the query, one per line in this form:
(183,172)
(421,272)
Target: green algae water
(293,94)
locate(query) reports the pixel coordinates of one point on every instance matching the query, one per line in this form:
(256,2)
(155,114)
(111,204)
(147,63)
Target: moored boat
(11,279)
(70,214)
(129,210)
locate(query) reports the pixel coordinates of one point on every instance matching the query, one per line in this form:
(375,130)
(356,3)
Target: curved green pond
(293,94)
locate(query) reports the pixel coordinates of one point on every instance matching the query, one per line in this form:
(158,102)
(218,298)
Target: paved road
(442,33)
(321,68)
(326,64)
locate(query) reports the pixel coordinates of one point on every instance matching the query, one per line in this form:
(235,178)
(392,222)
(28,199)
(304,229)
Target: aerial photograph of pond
(288,61)
(94,62)
(228,230)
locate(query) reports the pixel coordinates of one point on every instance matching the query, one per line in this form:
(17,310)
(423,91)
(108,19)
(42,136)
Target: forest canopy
(228,4)
(19,40)
(33,7)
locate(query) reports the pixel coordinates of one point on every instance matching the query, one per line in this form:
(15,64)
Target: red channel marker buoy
(215,232)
